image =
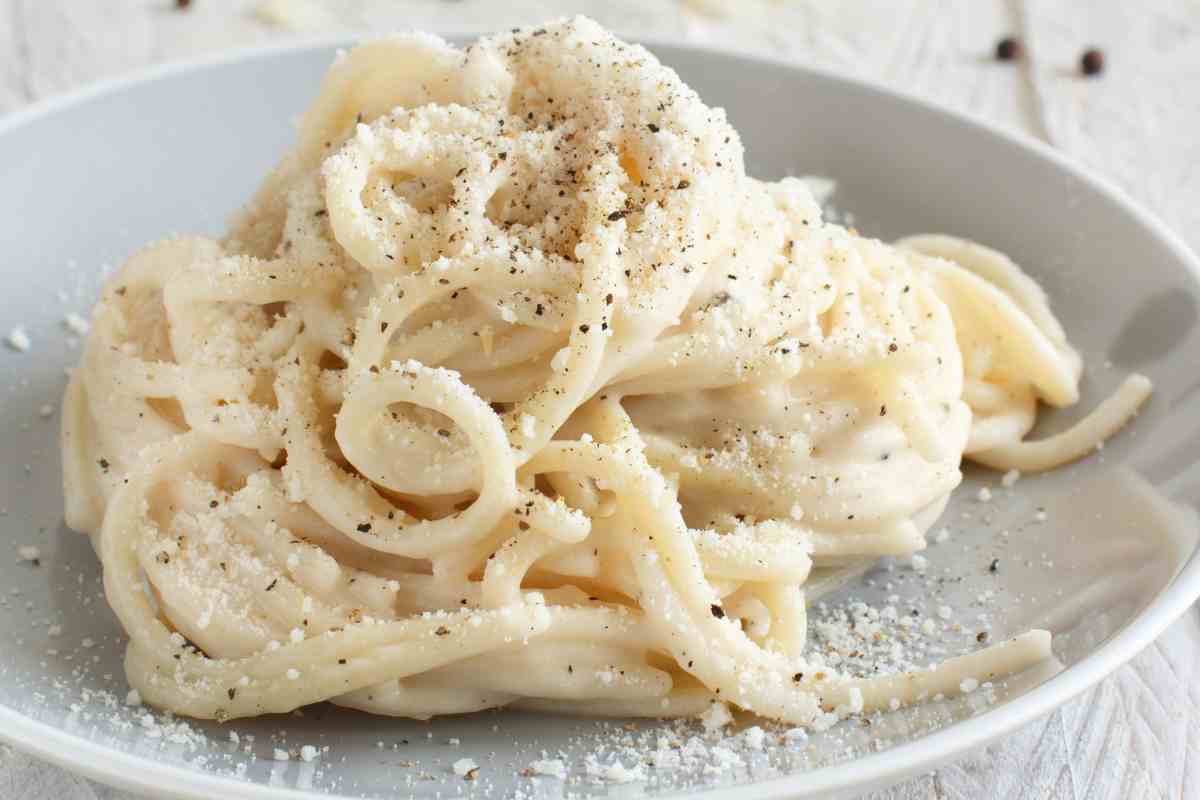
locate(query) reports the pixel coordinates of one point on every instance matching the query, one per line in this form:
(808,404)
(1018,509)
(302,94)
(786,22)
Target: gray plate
(89,178)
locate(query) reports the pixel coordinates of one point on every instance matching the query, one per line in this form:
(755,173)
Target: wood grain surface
(1137,734)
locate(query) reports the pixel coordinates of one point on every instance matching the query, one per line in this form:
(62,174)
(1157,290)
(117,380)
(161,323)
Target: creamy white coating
(510,388)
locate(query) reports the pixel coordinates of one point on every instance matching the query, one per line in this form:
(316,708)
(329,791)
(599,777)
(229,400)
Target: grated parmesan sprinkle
(18,340)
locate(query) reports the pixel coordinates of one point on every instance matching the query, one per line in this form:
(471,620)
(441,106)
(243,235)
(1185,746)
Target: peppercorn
(1008,49)
(1092,62)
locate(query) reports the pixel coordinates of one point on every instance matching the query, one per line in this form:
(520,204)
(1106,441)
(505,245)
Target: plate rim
(140,774)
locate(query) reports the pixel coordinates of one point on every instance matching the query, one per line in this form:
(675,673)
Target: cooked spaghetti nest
(510,388)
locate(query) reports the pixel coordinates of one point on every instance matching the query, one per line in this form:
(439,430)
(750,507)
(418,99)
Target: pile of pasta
(510,388)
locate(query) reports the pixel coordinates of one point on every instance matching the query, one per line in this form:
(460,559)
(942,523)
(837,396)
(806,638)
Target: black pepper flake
(103,464)
(1008,49)
(717,611)
(320,213)
(232,693)
(608,299)
(994,566)
(383,326)
(183,5)
(799,676)
(523,525)
(653,128)
(883,411)
(212,504)
(364,527)
(272,584)
(539,310)
(162,558)
(1092,62)
(683,184)
(442,631)
(981,637)
(341,661)
(584,328)
(893,347)
(616,215)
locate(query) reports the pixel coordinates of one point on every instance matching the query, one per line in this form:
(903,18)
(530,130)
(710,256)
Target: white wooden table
(1136,735)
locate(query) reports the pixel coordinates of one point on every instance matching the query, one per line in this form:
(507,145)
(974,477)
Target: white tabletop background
(1137,734)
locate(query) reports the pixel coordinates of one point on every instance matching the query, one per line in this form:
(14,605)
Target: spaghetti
(510,388)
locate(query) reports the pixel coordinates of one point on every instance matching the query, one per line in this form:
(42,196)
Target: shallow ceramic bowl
(89,178)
